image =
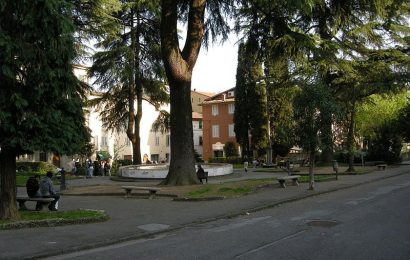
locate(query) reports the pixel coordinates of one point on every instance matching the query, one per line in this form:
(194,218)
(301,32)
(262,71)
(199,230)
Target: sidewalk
(138,217)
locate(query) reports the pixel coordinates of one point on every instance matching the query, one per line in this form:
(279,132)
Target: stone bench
(294,179)
(22,201)
(381,166)
(152,191)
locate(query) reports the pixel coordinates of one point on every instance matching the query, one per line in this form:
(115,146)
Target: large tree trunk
(182,165)
(350,139)
(327,142)
(136,145)
(135,91)
(178,66)
(8,206)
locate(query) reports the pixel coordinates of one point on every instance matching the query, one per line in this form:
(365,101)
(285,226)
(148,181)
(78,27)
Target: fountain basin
(160,171)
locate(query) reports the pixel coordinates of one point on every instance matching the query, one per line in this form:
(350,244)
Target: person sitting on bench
(47,191)
(33,187)
(201,173)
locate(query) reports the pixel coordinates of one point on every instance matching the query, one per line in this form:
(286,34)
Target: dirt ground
(114,188)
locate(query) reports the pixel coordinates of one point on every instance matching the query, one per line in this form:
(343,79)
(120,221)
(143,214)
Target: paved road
(371,221)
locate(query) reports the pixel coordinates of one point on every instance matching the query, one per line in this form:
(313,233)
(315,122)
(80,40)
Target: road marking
(240,224)
(270,244)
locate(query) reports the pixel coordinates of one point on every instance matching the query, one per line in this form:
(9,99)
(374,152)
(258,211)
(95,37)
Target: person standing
(47,191)
(245,163)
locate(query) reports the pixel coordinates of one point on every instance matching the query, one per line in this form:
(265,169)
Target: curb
(199,199)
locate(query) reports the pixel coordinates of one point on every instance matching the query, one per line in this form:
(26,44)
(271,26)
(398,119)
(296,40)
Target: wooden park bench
(22,201)
(202,176)
(381,166)
(152,191)
(294,179)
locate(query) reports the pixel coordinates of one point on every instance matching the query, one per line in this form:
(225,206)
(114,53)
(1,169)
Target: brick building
(218,125)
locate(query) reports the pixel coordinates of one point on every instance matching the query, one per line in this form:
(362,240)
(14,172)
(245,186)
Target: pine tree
(129,69)
(40,98)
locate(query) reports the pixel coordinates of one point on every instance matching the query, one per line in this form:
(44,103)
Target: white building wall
(197,131)
(149,146)
(118,144)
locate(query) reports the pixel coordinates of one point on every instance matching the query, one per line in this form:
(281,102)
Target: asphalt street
(370,221)
(137,221)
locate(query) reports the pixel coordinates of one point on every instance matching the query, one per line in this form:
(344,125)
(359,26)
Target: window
(156,140)
(215,131)
(154,157)
(231,130)
(127,142)
(231,108)
(215,110)
(96,142)
(43,157)
(200,124)
(231,93)
(104,141)
(201,141)
(168,140)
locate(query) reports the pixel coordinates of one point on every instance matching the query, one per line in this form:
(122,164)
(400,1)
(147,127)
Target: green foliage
(40,98)
(377,110)
(36,167)
(403,122)
(250,98)
(129,68)
(230,160)
(230,149)
(198,157)
(386,145)
(313,98)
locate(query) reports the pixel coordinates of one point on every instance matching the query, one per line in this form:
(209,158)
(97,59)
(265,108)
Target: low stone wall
(160,171)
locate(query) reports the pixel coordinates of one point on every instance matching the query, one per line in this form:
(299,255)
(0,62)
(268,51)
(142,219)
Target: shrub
(231,160)
(36,167)
(386,145)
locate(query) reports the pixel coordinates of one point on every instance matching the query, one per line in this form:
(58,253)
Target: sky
(215,69)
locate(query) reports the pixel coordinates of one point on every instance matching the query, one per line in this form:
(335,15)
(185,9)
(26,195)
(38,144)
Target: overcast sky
(215,70)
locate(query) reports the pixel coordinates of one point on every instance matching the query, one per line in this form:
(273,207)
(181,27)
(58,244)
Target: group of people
(91,168)
(43,188)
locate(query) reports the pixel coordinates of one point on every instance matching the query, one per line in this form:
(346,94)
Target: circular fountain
(160,171)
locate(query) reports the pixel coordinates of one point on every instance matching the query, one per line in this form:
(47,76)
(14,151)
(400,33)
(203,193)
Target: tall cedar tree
(40,102)
(281,92)
(241,117)
(250,99)
(342,31)
(130,69)
(179,65)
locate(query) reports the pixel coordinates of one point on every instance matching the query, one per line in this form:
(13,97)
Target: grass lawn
(46,218)
(240,188)
(21,179)
(229,189)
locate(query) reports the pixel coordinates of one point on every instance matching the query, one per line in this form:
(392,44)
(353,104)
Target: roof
(196,115)
(221,97)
